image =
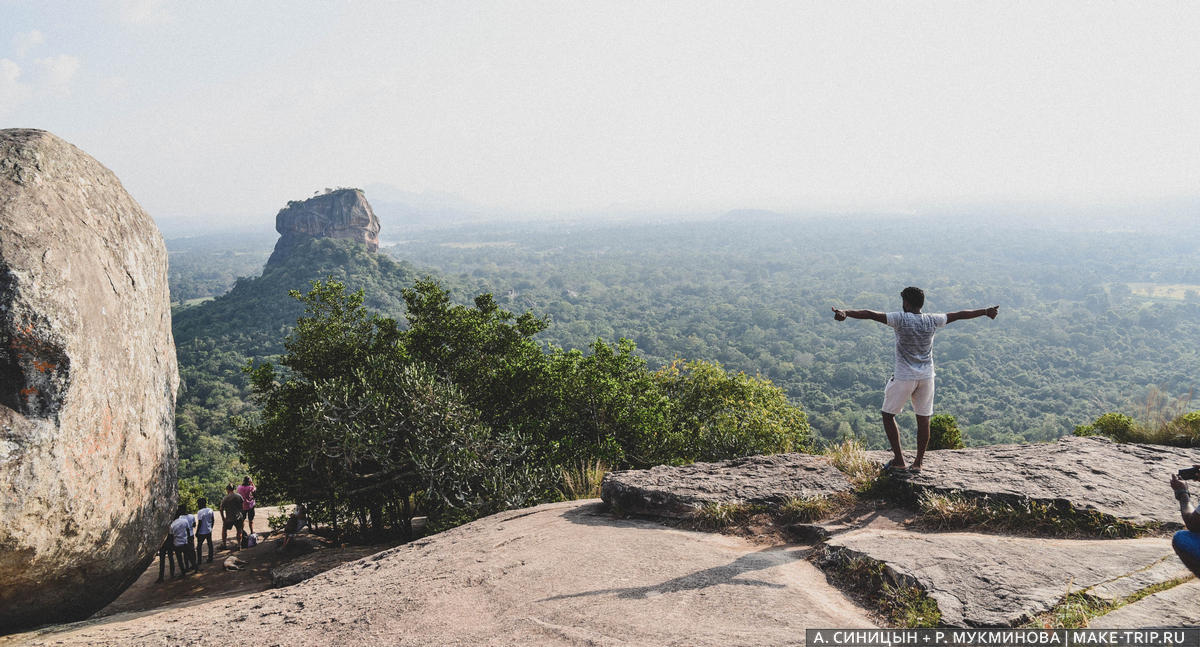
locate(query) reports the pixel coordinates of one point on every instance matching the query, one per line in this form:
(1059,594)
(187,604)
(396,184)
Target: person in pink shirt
(246,489)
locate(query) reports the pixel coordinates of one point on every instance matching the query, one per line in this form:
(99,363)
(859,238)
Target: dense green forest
(462,413)
(1090,319)
(216,339)
(1073,340)
(207,266)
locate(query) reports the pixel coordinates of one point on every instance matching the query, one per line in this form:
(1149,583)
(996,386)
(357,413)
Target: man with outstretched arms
(913,375)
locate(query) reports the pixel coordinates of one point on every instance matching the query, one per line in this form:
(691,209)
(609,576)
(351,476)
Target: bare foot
(915,467)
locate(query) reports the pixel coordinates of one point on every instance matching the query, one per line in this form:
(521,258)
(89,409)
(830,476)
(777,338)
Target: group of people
(188,533)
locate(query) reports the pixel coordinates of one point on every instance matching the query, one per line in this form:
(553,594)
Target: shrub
(1186,429)
(1084,431)
(1117,426)
(944,433)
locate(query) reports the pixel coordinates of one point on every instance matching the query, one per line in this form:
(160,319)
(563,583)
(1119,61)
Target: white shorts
(898,392)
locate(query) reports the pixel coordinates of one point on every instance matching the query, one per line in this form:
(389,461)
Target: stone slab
(679,491)
(1175,607)
(1124,480)
(1166,570)
(993,580)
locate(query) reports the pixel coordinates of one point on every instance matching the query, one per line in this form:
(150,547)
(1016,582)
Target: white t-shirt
(205,515)
(914,343)
(181,528)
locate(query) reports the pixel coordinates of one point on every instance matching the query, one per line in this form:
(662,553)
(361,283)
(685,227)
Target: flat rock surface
(1127,481)
(1166,570)
(557,574)
(1175,607)
(671,491)
(992,580)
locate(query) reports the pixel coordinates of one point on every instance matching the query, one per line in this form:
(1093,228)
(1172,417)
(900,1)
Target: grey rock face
(87,383)
(1126,481)
(344,213)
(1175,607)
(991,580)
(667,491)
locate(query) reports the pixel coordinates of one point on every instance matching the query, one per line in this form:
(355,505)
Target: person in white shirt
(181,530)
(204,527)
(914,374)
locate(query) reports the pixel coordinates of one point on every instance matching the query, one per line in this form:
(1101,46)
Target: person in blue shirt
(204,527)
(913,376)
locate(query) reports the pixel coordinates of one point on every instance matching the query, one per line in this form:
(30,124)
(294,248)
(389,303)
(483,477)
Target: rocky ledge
(1125,481)
(975,578)
(667,491)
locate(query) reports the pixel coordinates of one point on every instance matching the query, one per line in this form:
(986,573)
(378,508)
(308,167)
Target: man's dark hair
(914,297)
(203,502)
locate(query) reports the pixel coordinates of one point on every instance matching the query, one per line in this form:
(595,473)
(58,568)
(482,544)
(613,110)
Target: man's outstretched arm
(971,314)
(840,315)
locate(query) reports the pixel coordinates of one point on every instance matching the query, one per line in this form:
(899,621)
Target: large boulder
(344,213)
(87,383)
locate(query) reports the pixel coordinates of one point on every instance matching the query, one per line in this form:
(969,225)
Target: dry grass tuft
(582,481)
(1028,517)
(850,456)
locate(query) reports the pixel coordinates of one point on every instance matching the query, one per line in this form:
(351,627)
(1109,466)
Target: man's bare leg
(893,436)
(922,441)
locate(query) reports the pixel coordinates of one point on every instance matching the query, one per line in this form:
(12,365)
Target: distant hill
(216,339)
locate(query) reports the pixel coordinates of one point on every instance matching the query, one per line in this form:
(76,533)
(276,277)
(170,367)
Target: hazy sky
(229,109)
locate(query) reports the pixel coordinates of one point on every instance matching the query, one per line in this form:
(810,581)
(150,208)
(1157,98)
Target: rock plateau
(343,213)
(87,383)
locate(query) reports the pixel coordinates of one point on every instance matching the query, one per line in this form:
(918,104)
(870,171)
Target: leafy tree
(714,415)
(487,352)
(607,406)
(355,428)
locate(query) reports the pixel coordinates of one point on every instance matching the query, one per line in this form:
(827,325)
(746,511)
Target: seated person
(295,523)
(1187,542)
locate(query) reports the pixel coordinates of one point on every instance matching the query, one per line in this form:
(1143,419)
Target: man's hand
(838,315)
(992,312)
(1177,484)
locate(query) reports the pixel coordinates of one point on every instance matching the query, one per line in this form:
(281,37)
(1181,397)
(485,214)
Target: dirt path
(557,574)
(212,580)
